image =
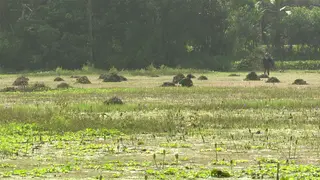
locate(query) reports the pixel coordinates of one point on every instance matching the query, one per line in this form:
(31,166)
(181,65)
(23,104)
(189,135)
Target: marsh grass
(213,129)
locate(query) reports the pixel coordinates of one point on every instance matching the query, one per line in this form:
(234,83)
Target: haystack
(58,79)
(252,76)
(186,82)
(177,78)
(21,81)
(63,85)
(113,100)
(112,77)
(202,78)
(273,80)
(83,80)
(300,82)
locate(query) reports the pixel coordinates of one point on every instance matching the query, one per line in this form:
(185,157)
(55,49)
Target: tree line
(45,34)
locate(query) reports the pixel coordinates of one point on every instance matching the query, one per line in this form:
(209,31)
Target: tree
(90,29)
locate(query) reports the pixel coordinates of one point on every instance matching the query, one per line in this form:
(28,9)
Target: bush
(251,62)
(284,65)
(299,65)
(206,61)
(164,70)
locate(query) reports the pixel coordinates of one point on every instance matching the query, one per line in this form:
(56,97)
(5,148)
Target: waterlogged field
(221,128)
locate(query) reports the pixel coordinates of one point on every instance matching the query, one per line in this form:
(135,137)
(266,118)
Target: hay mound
(58,79)
(31,88)
(154,75)
(112,77)
(83,80)
(75,76)
(63,86)
(263,76)
(9,89)
(273,80)
(114,100)
(123,78)
(177,78)
(168,84)
(190,76)
(234,75)
(220,173)
(38,86)
(102,76)
(21,81)
(300,82)
(202,78)
(186,82)
(252,76)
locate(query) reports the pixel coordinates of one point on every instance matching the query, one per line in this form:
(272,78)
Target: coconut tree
(273,11)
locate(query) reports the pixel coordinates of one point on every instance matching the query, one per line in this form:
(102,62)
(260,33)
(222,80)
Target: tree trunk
(90,30)
(277,37)
(4,13)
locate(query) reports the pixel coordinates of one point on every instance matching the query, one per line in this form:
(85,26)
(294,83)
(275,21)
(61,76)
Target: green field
(224,127)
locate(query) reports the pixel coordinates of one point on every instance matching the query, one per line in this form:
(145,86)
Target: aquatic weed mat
(28,151)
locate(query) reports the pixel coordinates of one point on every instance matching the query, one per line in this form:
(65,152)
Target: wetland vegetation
(223,127)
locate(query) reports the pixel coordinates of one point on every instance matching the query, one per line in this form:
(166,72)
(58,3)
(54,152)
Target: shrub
(299,65)
(251,62)
(292,65)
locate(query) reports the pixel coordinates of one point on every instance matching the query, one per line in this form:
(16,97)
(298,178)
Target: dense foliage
(45,34)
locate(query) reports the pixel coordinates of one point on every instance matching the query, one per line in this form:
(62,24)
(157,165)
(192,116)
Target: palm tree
(272,10)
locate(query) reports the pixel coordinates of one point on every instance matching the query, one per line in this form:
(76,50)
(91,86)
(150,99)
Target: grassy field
(224,127)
